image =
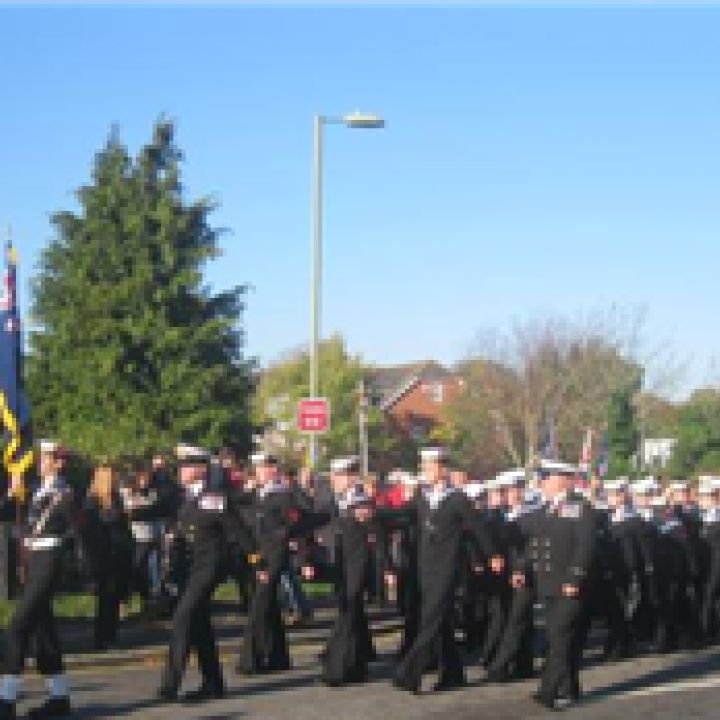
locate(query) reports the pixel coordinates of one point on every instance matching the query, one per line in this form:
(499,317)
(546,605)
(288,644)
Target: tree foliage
(520,380)
(622,431)
(284,383)
(698,435)
(134,351)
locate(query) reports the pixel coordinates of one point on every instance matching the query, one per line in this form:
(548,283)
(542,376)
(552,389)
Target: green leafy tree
(285,382)
(698,434)
(622,431)
(134,352)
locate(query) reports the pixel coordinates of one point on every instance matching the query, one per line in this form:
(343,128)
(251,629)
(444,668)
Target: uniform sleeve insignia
(212,502)
(571,510)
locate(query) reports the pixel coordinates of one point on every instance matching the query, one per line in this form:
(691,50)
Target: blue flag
(17,454)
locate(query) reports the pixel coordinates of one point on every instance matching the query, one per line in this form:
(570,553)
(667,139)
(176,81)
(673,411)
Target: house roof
(391,383)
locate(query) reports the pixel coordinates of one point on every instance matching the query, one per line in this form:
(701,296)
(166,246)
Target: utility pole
(362,416)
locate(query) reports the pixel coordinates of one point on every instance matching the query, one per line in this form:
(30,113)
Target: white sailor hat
(437,454)
(658,501)
(679,486)
(54,448)
(475,489)
(263,458)
(620,484)
(645,486)
(350,464)
(48,446)
(555,467)
(191,453)
(510,478)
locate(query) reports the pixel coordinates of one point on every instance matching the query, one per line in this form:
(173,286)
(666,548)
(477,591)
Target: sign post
(313,416)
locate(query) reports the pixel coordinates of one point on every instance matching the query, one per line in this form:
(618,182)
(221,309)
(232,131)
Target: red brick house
(414,397)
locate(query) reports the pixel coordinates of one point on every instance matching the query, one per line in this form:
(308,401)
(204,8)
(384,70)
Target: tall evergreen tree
(622,431)
(134,351)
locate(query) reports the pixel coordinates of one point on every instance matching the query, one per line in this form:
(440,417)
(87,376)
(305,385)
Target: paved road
(663,688)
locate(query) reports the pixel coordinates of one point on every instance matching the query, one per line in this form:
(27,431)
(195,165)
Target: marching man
(49,523)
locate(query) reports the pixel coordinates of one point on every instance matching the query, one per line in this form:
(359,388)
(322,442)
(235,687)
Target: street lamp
(351,120)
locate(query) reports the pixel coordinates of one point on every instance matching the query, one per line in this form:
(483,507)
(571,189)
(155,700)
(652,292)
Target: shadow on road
(684,669)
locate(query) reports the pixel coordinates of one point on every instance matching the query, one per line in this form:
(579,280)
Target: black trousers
(515,654)
(192,630)
(436,635)
(141,567)
(265,647)
(107,617)
(33,616)
(565,633)
(498,607)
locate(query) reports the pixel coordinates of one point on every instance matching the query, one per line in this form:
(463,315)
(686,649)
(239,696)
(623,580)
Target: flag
(548,445)
(586,454)
(603,457)
(17,453)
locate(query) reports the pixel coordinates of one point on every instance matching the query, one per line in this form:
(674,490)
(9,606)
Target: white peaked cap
(555,467)
(510,478)
(433,453)
(48,446)
(475,489)
(191,452)
(345,464)
(616,485)
(645,486)
(262,458)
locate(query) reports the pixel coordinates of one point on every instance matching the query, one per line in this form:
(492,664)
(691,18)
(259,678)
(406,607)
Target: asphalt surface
(659,687)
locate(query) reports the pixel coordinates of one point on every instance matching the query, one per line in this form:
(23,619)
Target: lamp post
(352,120)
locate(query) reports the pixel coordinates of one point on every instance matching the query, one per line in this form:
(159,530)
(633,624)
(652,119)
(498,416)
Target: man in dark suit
(561,544)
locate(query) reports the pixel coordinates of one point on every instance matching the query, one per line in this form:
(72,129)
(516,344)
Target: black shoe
(400,685)
(449,685)
(543,700)
(497,675)
(562,703)
(166,695)
(54,707)
(204,693)
(7,710)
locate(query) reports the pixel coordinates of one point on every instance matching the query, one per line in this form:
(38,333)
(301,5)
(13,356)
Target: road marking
(680,686)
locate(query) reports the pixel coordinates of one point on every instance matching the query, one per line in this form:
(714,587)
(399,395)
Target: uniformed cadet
(48,525)
(404,574)
(206,521)
(684,509)
(444,517)
(709,500)
(514,658)
(278,514)
(560,554)
(618,591)
(349,647)
(645,621)
(496,586)
(473,612)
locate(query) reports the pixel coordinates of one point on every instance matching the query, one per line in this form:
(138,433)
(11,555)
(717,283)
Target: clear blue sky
(535,160)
